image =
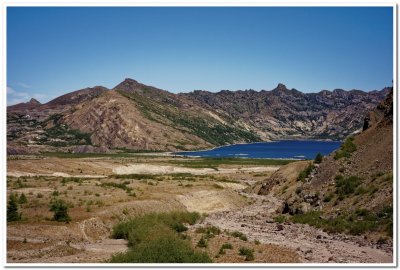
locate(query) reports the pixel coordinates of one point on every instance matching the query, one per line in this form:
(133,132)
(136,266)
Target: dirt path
(312,244)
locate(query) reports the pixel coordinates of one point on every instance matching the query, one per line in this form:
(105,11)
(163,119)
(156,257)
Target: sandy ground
(160,169)
(208,201)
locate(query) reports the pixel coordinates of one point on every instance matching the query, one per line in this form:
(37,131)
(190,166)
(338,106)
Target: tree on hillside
(60,209)
(12,209)
(22,199)
(318,158)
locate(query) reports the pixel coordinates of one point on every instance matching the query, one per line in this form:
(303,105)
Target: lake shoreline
(295,156)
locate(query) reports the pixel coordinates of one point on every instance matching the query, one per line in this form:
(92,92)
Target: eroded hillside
(351,190)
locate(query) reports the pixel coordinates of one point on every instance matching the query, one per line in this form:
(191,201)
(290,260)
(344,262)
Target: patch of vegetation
(346,149)
(209,231)
(249,253)
(318,158)
(346,186)
(227,246)
(202,242)
(61,134)
(12,208)
(136,176)
(22,199)
(216,162)
(60,209)
(123,186)
(280,218)
(359,222)
(328,197)
(305,173)
(223,247)
(239,235)
(155,238)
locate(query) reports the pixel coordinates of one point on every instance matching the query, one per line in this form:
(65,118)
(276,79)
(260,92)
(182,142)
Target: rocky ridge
(136,116)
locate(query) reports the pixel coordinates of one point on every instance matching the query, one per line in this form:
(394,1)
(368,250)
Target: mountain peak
(281,87)
(34,102)
(129,80)
(128,84)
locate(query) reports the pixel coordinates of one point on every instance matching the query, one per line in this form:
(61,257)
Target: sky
(55,50)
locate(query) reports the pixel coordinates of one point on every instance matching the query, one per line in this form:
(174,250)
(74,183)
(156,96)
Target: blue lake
(292,149)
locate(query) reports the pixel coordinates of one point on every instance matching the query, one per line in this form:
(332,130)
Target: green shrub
(318,158)
(118,185)
(305,173)
(202,242)
(358,222)
(328,197)
(239,235)
(249,253)
(60,209)
(227,246)
(155,238)
(22,199)
(162,247)
(12,209)
(209,231)
(280,218)
(345,186)
(346,148)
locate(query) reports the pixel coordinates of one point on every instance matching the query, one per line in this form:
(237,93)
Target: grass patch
(123,185)
(209,231)
(305,173)
(280,218)
(155,238)
(215,162)
(346,149)
(346,186)
(356,223)
(239,235)
(249,253)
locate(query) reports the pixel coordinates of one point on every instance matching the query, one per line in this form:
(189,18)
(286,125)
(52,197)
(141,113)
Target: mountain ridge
(198,119)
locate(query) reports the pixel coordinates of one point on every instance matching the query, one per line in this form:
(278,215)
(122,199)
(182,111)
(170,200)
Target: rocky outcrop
(292,114)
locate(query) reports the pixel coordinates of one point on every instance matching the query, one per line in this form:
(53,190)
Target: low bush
(358,222)
(318,158)
(163,246)
(249,253)
(202,242)
(239,235)
(346,186)
(305,173)
(209,231)
(155,238)
(227,246)
(60,209)
(22,199)
(346,149)
(328,197)
(280,218)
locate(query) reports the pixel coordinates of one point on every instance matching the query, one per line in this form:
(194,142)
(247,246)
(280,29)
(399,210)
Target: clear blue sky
(52,51)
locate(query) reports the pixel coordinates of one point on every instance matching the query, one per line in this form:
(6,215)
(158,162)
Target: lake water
(290,149)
